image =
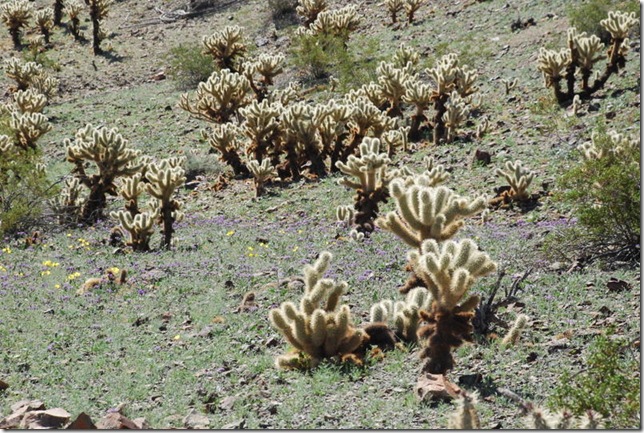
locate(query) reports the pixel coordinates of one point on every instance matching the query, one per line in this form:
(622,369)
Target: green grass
(92,352)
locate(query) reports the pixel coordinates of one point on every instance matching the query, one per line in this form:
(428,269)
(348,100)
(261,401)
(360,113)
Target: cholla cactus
(261,126)
(371,182)
(620,143)
(98,10)
(25,101)
(465,416)
(513,335)
(404,316)
(45,22)
(582,53)
(393,85)
(519,179)
(21,72)
(301,140)
(219,98)
(366,119)
(421,96)
(393,7)
(434,174)
(411,7)
(266,65)
(26,128)
(396,138)
(226,47)
(73,8)
(426,212)
(331,120)
(30,75)
(131,188)
(113,158)
(449,77)
(15,14)
(448,270)
(164,178)
(455,114)
(318,328)
(343,214)
(140,227)
(69,203)
(262,172)
(309,10)
(6,144)
(225,139)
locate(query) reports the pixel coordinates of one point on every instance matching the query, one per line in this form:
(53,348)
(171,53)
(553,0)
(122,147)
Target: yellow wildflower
(230,233)
(6,250)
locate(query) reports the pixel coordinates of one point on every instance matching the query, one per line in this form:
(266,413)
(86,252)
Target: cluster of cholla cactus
(112,158)
(582,53)
(291,135)
(15,14)
(369,175)
(450,94)
(519,178)
(465,417)
(403,316)
(98,10)
(160,180)
(319,327)
(30,75)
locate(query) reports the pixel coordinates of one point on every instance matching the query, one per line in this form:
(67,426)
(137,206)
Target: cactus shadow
(112,57)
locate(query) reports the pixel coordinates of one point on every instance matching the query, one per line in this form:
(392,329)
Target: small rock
(82,422)
(195,420)
(51,418)
(235,425)
(3,385)
(116,421)
(227,403)
(261,41)
(482,156)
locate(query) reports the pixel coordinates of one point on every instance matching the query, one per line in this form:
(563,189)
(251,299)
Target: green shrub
(324,55)
(189,66)
(317,54)
(605,196)
(585,16)
(24,189)
(609,384)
